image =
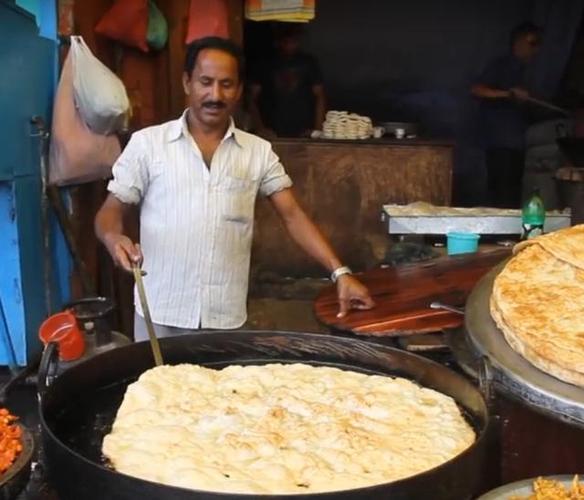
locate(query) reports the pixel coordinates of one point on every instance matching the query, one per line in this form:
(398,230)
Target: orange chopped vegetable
(10,439)
(548,489)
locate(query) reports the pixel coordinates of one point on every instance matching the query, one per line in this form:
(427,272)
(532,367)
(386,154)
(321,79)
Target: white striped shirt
(196,223)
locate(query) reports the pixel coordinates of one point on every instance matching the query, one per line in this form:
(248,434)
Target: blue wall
(30,61)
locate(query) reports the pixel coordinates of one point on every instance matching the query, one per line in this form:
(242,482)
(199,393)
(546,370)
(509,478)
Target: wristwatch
(339,271)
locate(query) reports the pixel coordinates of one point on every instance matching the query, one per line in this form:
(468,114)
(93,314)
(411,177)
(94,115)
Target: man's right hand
(124,252)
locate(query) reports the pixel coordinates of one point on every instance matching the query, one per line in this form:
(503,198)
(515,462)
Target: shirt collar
(179,128)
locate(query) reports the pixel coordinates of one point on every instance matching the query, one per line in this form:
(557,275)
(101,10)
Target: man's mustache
(214,104)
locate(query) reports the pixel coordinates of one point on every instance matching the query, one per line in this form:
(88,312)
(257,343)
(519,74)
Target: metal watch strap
(339,271)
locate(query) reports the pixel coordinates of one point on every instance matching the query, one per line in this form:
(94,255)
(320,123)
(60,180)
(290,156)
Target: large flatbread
(278,429)
(566,245)
(538,303)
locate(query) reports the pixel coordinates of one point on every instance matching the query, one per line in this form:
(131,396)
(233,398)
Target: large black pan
(78,408)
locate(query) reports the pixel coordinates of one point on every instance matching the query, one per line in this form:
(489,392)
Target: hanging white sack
(100,96)
(77,154)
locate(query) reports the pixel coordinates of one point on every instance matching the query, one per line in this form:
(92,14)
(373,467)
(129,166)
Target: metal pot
(78,407)
(408,128)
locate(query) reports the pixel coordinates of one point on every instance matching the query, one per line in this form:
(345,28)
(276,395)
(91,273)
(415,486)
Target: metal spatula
(147,318)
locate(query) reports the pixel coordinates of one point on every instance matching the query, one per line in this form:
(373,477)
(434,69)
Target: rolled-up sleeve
(274,177)
(130,172)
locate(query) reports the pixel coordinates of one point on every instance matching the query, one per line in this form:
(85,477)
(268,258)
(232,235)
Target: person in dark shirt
(502,90)
(287,93)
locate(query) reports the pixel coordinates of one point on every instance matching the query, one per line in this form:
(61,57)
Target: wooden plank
(403,295)
(176,12)
(235,10)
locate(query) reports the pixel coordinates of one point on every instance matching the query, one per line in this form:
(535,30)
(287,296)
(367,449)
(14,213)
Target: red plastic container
(63,329)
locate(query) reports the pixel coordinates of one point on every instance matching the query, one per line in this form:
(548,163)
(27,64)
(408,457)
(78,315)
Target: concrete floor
(282,314)
(284,304)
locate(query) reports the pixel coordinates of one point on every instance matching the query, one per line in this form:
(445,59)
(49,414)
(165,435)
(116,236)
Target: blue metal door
(27,63)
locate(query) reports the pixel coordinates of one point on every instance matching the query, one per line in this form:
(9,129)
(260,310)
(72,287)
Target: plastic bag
(76,153)
(99,94)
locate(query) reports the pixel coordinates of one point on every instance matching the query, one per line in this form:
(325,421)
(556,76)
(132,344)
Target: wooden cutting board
(403,295)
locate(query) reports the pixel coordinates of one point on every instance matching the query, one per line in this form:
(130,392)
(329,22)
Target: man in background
(502,90)
(287,94)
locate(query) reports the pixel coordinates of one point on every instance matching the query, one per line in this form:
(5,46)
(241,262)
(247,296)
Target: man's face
(213,88)
(526,46)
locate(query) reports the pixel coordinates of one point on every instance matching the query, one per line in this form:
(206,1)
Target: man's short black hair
(217,43)
(525,29)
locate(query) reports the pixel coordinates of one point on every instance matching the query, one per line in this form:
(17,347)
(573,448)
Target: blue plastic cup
(457,243)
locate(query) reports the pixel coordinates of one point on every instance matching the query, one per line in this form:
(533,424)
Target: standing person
(195,180)
(502,90)
(287,93)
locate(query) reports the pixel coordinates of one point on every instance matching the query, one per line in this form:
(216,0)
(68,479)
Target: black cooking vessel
(78,408)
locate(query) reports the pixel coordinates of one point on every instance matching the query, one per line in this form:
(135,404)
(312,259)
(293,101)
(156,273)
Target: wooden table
(403,295)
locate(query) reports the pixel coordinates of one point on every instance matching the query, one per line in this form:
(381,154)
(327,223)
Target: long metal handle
(147,318)
(548,105)
(446,307)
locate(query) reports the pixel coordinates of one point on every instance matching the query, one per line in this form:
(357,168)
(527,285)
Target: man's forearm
(109,227)
(109,221)
(486,92)
(311,240)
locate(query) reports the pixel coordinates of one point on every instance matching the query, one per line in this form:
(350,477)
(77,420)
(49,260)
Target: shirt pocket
(237,198)
(237,184)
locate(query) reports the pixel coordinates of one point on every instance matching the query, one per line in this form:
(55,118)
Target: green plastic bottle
(532,216)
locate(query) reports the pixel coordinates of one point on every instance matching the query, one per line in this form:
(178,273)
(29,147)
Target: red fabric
(126,22)
(207,18)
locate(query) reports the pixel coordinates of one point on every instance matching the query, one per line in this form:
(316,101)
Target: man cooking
(287,93)
(501,88)
(195,180)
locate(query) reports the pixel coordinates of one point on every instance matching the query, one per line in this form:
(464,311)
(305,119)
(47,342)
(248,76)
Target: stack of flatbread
(344,125)
(538,303)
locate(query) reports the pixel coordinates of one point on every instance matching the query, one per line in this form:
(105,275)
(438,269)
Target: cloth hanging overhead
(207,18)
(157,34)
(295,11)
(126,22)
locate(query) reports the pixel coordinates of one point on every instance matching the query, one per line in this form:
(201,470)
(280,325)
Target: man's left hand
(352,295)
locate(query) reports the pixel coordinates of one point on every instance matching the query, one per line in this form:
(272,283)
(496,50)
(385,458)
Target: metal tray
(511,373)
(480,224)
(522,488)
